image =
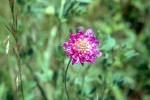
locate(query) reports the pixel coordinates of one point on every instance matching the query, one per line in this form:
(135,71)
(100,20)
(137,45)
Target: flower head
(81,47)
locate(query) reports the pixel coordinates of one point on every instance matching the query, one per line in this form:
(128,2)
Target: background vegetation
(122,73)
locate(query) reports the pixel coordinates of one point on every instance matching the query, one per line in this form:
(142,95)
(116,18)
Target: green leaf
(84,1)
(118,94)
(130,53)
(108,44)
(2,91)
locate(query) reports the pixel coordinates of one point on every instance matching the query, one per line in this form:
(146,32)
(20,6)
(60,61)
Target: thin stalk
(20,74)
(37,82)
(19,66)
(14,33)
(65,80)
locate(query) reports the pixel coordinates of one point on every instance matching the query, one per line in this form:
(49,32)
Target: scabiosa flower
(81,47)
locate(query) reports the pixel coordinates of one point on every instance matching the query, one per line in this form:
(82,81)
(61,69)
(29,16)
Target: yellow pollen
(82,45)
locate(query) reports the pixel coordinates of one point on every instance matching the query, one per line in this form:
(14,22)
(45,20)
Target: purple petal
(95,43)
(74,56)
(86,57)
(91,39)
(89,32)
(82,60)
(80,31)
(70,53)
(98,53)
(81,36)
(65,45)
(72,35)
(75,60)
(91,59)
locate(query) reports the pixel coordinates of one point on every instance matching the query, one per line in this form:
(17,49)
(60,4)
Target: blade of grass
(19,66)
(5,40)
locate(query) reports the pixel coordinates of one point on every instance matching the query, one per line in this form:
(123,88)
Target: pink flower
(82,47)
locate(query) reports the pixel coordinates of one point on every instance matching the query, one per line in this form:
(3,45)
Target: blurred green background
(122,73)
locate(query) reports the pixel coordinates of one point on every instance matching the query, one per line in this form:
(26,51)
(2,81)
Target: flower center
(82,45)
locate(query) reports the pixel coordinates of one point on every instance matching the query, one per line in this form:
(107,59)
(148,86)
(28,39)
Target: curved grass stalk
(65,80)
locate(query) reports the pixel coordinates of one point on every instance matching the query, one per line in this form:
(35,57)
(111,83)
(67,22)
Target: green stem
(65,79)
(20,74)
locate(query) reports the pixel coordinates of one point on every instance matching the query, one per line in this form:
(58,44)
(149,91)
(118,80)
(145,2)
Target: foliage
(122,73)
